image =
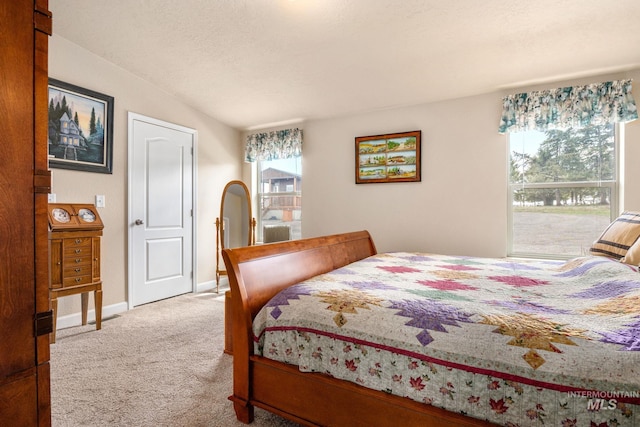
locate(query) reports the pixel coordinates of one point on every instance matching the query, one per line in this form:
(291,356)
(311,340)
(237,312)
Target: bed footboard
(257,273)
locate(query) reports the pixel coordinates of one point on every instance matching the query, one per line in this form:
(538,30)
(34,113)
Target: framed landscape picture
(393,157)
(80,130)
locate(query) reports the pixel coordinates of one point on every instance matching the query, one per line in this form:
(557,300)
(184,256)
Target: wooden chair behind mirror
(235,226)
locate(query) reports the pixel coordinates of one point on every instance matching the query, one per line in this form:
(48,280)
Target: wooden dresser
(74,253)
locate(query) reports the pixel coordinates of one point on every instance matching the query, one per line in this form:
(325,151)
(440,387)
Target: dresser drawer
(72,261)
(77,241)
(77,250)
(73,270)
(78,280)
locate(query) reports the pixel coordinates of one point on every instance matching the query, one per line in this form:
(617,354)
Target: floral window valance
(280,144)
(572,106)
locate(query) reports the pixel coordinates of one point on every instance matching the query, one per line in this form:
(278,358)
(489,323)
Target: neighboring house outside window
(562,189)
(279,201)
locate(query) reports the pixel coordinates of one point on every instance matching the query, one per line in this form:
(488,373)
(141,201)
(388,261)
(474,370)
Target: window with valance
(278,156)
(563,178)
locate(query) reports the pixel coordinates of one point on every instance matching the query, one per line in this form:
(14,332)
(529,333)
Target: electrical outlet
(99,201)
(52,197)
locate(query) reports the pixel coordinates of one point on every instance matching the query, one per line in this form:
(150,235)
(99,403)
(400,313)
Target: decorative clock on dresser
(74,253)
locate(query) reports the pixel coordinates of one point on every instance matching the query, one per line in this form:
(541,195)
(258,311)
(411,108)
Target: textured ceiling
(257,63)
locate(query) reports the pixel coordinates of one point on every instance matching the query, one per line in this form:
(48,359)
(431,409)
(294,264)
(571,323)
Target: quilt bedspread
(513,342)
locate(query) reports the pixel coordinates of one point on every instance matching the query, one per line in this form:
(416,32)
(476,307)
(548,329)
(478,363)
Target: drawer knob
(78,260)
(78,251)
(78,241)
(77,270)
(78,280)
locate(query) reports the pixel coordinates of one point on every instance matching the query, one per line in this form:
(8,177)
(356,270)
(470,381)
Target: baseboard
(76,318)
(206,286)
(211,285)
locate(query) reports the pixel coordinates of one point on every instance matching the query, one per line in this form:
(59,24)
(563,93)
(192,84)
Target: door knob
(139,222)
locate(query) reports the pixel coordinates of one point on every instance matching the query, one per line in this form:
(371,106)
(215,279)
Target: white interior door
(161,206)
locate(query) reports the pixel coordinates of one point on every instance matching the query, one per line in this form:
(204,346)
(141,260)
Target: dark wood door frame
(25,315)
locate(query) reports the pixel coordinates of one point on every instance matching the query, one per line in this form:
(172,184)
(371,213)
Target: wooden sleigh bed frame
(256,274)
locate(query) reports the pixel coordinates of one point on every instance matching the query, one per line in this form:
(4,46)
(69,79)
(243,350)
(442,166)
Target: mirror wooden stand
(235,226)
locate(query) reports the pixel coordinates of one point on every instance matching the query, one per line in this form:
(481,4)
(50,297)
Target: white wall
(460,205)
(218,150)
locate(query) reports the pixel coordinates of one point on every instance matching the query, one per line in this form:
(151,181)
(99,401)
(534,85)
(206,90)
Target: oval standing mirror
(235,226)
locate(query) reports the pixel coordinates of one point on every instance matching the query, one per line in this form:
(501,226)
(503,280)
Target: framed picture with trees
(80,130)
(393,157)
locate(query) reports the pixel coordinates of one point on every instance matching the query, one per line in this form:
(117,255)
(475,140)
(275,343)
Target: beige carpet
(161,364)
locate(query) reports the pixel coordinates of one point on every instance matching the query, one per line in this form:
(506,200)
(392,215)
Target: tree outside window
(563,190)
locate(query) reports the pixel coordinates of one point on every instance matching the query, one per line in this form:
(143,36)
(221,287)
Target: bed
(422,339)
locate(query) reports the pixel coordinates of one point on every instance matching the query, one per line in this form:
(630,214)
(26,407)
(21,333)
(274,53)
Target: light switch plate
(100,201)
(52,197)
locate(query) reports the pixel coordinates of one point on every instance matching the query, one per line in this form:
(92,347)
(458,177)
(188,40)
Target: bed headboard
(257,273)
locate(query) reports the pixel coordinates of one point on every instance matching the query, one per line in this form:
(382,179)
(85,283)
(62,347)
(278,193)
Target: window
(563,189)
(280,195)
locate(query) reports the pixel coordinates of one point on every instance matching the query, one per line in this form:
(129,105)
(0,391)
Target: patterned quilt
(518,343)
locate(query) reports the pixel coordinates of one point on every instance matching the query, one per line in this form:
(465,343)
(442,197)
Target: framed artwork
(393,157)
(80,128)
